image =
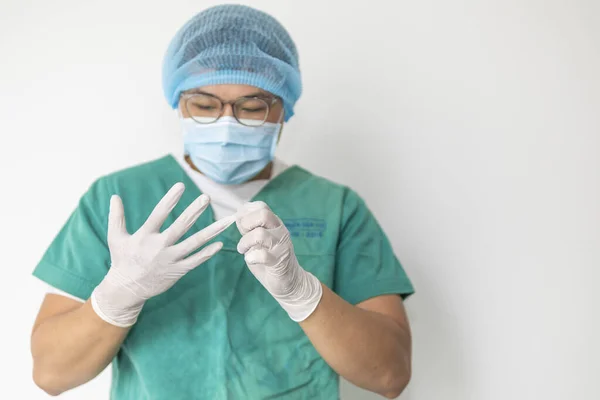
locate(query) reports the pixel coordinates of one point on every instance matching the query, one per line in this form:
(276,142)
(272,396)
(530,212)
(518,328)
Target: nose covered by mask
(228,152)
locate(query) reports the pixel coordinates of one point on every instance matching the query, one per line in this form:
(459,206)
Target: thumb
(116,217)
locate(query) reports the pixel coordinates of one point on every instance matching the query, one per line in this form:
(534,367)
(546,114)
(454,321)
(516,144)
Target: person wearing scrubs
(223,273)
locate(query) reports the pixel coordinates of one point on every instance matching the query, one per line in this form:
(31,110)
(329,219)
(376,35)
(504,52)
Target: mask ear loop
(279,122)
(180,117)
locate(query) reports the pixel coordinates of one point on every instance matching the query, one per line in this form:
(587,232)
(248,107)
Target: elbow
(46,381)
(395,382)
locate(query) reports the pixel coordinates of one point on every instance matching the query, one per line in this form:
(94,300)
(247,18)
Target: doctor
(249,278)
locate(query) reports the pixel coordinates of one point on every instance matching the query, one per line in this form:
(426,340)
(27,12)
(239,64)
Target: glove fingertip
(115,199)
(215,247)
(240,248)
(204,199)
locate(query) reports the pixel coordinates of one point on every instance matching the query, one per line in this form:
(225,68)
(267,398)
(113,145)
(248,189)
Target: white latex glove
(147,263)
(269,253)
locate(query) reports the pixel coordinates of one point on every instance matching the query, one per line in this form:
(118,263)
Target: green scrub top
(217,333)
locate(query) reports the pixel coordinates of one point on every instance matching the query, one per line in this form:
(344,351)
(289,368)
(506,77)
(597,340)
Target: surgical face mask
(228,152)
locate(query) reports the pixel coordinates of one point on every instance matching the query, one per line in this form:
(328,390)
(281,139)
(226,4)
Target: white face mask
(227,151)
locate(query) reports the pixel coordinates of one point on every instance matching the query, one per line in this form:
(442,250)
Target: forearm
(72,348)
(369,349)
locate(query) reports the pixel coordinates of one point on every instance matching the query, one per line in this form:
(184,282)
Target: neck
(264,174)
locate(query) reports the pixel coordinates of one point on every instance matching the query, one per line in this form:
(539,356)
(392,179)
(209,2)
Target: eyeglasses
(205,108)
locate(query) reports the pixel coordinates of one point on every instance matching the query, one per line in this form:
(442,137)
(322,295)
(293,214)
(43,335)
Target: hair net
(233,44)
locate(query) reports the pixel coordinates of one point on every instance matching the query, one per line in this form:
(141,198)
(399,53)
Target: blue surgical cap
(233,44)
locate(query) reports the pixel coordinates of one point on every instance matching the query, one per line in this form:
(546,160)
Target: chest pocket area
(314,244)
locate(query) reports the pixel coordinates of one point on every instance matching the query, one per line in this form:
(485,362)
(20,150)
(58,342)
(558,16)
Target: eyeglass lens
(207,109)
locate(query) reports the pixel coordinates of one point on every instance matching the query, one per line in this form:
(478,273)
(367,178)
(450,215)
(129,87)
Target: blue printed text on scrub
(306,227)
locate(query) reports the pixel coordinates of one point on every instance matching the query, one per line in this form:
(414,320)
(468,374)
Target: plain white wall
(472,129)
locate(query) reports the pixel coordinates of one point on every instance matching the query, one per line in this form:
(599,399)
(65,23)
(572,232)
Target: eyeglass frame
(274,99)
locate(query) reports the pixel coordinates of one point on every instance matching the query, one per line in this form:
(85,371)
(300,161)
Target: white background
(472,129)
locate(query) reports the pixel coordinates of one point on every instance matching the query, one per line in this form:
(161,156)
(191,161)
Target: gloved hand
(147,263)
(269,253)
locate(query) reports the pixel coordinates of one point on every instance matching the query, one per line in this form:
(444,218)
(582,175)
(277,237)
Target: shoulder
(145,181)
(302,178)
(337,202)
(157,168)
(138,177)
(325,187)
